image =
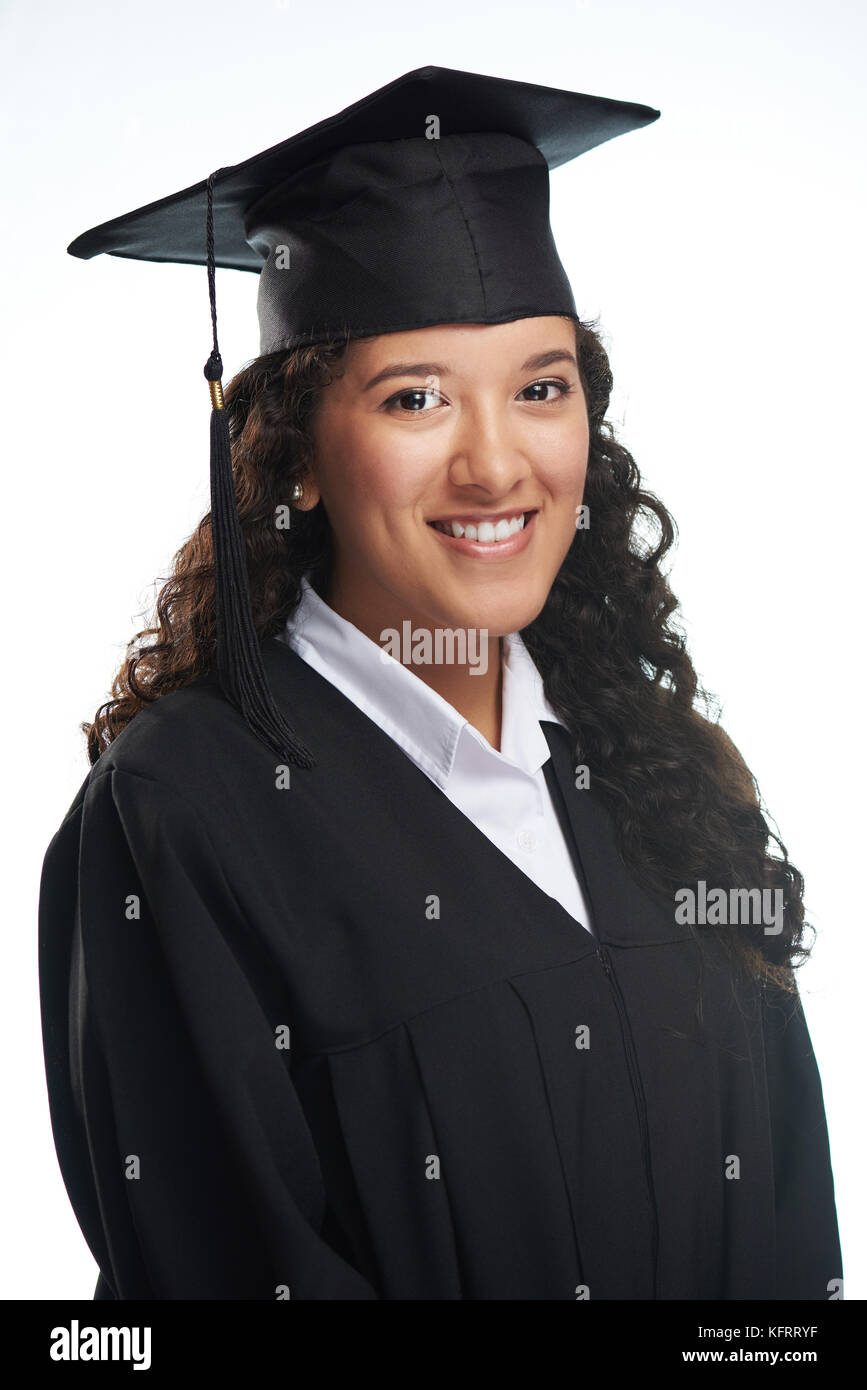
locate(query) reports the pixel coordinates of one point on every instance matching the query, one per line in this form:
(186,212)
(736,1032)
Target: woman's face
(472,423)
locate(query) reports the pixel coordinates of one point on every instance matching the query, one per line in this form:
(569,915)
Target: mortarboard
(427,202)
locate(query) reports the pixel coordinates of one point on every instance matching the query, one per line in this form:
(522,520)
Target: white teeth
(486,531)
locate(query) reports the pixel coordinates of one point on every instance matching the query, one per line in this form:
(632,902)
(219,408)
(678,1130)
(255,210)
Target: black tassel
(240,668)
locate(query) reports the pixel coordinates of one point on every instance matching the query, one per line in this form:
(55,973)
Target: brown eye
(563,389)
(416,398)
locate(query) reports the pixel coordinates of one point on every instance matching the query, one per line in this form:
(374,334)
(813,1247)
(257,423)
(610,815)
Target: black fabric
(364,224)
(406,234)
(433,1132)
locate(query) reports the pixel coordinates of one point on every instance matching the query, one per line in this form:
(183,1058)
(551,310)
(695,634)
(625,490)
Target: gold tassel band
(216,390)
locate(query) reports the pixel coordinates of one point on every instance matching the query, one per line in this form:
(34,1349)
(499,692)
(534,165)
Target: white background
(722,249)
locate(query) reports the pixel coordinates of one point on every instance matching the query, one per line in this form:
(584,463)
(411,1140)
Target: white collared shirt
(504,793)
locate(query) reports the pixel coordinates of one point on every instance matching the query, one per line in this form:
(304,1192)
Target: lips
(485,541)
(487,529)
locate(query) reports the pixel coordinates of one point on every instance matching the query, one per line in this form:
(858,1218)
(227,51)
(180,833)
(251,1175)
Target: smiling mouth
(484,531)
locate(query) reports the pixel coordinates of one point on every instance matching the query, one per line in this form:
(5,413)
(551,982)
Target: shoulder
(185,746)
(172,736)
(196,743)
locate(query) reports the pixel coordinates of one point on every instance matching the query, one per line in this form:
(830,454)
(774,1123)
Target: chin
(498,615)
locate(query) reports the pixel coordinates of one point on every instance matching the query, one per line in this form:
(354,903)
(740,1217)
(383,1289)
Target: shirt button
(526,840)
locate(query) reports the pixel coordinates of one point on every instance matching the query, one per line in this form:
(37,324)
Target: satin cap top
(425,203)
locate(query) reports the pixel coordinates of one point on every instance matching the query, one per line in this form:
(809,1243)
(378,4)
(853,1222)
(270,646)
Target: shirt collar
(425,726)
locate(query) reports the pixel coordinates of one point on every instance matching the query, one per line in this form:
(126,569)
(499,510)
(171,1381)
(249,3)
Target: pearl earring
(297,492)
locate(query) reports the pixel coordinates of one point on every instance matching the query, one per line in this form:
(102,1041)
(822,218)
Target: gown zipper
(638,1095)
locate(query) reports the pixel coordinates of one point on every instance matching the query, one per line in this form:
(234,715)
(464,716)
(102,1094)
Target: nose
(486,450)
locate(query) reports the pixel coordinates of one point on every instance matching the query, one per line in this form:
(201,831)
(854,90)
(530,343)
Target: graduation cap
(427,202)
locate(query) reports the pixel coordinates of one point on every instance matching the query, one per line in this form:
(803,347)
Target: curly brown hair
(615,668)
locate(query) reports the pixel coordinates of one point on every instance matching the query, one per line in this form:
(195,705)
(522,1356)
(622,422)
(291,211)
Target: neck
(472,686)
(474,692)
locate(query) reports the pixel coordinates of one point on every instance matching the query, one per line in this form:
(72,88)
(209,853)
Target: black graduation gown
(435,1128)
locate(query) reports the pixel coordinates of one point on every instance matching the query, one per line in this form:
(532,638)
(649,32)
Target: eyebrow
(425,369)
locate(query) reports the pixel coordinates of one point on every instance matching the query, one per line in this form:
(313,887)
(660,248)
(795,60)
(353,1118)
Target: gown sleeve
(809,1260)
(181,1139)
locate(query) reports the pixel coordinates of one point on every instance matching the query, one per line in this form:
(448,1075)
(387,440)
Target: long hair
(614,665)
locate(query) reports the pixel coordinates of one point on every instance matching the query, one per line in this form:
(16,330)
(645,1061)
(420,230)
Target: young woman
(460,998)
